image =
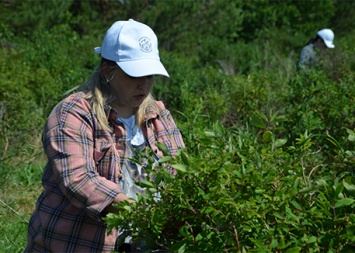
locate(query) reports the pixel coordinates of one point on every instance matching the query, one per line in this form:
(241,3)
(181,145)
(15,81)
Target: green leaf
(344,202)
(163,148)
(351,132)
(179,167)
(247,228)
(349,187)
(296,204)
(280,142)
(278,215)
(307,189)
(209,236)
(351,136)
(296,183)
(291,214)
(274,243)
(282,244)
(267,136)
(210,134)
(312,239)
(146,183)
(259,191)
(165,159)
(219,128)
(293,250)
(152,190)
(257,121)
(199,237)
(182,248)
(184,158)
(339,189)
(259,244)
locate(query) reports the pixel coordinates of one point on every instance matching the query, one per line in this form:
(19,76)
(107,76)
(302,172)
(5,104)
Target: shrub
(320,105)
(235,193)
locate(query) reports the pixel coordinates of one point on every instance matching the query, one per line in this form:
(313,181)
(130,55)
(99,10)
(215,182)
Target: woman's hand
(119,198)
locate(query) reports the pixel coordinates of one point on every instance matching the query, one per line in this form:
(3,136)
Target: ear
(106,71)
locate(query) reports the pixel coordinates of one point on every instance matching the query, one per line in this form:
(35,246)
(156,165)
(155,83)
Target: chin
(136,105)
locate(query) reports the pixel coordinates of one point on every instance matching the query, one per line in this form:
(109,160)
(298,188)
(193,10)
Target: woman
(89,139)
(309,54)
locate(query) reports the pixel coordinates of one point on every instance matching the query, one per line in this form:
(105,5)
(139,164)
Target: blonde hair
(99,94)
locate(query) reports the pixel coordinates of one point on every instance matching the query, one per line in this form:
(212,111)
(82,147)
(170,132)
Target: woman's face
(129,91)
(320,44)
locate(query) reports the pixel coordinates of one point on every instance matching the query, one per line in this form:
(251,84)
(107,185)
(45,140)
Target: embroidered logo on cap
(145,44)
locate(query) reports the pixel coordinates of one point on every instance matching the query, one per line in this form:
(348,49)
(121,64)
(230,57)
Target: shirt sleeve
(68,141)
(163,129)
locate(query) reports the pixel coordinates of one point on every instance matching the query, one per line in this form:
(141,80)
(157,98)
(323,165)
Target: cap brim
(143,67)
(329,44)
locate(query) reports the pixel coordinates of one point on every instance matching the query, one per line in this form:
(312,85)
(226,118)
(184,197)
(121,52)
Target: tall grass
(20,184)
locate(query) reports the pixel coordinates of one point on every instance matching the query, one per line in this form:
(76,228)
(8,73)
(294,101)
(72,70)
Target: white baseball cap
(134,47)
(327,36)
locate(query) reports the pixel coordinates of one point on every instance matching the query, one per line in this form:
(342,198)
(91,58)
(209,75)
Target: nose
(145,82)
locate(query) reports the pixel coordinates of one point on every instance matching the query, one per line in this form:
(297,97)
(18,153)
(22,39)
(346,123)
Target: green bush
(320,105)
(276,177)
(235,193)
(35,73)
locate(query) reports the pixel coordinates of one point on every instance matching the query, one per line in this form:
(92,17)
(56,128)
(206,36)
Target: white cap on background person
(327,36)
(134,47)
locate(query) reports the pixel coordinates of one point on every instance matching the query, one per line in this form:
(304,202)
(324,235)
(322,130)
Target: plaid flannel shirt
(82,175)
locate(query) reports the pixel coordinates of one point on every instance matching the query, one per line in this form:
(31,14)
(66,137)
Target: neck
(123,111)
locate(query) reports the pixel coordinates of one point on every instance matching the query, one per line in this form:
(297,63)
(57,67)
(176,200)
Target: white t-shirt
(130,169)
(134,132)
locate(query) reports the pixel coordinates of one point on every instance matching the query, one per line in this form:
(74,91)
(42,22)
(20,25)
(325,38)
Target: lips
(140,96)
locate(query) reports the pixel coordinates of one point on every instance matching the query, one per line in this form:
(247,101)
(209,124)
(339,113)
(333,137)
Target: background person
(89,138)
(309,55)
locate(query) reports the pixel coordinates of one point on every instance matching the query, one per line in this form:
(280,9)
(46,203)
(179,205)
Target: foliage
(320,105)
(217,32)
(19,188)
(274,175)
(235,193)
(34,76)
(27,17)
